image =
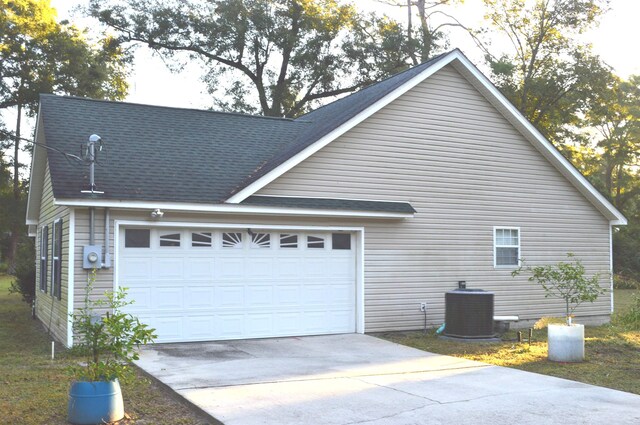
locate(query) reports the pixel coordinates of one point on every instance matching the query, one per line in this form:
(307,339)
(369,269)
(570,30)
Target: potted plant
(567,281)
(109,339)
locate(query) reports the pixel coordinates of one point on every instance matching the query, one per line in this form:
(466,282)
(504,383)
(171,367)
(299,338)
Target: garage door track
(359,379)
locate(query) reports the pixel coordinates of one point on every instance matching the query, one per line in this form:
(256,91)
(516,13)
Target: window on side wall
(44,256)
(506,247)
(56,259)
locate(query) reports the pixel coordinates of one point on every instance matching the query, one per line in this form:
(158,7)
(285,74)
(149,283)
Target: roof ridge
(410,68)
(147,105)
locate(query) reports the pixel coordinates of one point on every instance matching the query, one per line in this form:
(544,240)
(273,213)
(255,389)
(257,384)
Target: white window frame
(56,260)
(44,258)
(495,247)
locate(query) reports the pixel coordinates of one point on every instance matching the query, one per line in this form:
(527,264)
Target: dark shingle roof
(330,204)
(156,153)
(184,155)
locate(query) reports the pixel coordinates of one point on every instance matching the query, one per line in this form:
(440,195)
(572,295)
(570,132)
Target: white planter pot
(566,343)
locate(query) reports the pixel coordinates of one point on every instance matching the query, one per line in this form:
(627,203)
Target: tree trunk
(16,226)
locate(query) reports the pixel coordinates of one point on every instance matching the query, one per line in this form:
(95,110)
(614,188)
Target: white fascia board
(225,208)
(567,169)
(339,131)
(36,176)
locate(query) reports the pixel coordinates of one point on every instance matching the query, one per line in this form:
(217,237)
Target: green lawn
(612,352)
(33,388)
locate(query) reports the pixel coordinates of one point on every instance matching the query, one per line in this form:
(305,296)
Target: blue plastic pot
(95,402)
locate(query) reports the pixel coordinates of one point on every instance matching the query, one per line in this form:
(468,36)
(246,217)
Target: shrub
(625,282)
(630,319)
(108,337)
(25,272)
(566,281)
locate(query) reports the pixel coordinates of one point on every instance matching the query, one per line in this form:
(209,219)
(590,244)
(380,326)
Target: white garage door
(206,284)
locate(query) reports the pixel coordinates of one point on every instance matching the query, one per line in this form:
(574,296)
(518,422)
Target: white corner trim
(611,265)
(339,131)
(71,275)
(226,208)
(360,288)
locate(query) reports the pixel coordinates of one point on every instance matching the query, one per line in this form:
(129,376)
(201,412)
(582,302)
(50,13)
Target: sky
(152,83)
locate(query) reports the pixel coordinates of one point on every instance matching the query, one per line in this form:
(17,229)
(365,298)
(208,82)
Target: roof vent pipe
(90,155)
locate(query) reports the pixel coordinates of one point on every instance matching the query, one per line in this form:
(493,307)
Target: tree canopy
(547,73)
(283,55)
(38,54)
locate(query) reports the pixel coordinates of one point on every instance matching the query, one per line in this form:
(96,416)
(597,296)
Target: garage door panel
(230,268)
(240,290)
(167,268)
(200,268)
(168,328)
(200,326)
(288,322)
(231,325)
(135,268)
(315,267)
(287,268)
(168,298)
(142,297)
(199,297)
(259,295)
(286,295)
(259,324)
(229,296)
(340,267)
(260,269)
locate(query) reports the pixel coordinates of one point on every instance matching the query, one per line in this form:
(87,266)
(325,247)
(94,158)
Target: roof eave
(226,208)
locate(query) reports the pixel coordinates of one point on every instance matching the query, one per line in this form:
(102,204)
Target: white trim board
(226,208)
(71,275)
(482,83)
(360,322)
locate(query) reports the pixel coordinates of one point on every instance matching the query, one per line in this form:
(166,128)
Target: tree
(40,55)
(616,117)
(284,55)
(548,75)
(565,281)
(427,37)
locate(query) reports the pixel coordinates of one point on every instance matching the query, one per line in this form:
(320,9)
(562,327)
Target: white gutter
(225,208)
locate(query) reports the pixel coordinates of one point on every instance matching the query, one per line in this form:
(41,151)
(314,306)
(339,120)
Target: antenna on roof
(89,154)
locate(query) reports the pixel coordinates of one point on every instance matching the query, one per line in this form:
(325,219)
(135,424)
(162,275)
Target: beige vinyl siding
(465,169)
(51,311)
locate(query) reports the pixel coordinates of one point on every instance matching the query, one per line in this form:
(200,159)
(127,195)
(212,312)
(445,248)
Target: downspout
(107,240)
(92,219)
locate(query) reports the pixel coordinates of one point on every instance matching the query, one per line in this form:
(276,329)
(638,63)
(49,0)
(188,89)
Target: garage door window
(260,240)
(201,239)
(288,241)
(137,238)
(315,242)
(170,239)
(340,241)
(232,240)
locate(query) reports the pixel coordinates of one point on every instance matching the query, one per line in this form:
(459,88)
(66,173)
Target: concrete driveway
(359,379)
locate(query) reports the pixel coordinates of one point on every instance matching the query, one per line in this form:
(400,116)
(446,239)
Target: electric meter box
(91,257)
